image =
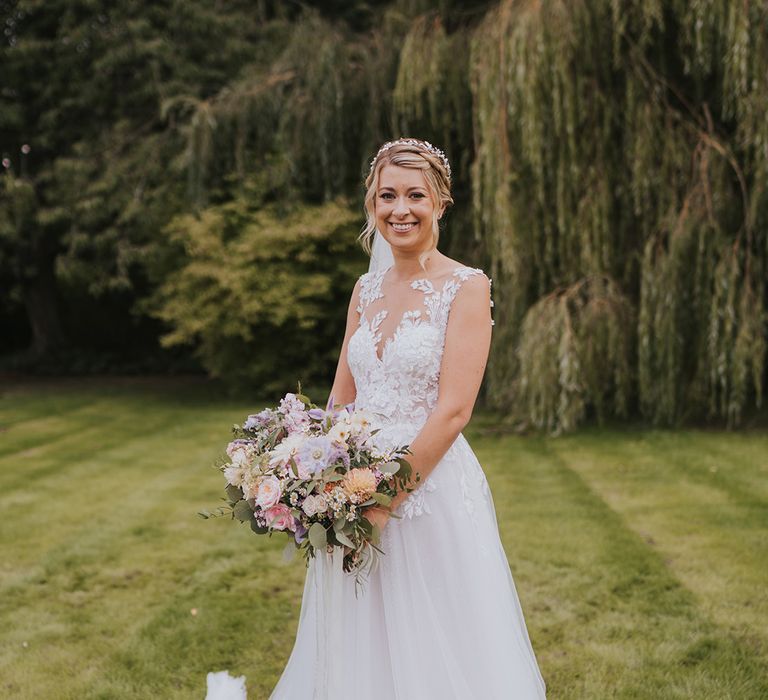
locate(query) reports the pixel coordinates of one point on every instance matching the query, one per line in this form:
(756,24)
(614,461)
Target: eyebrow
(408,190)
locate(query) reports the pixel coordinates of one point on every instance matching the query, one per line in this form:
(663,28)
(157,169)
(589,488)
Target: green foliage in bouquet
(311,473)
(256,295)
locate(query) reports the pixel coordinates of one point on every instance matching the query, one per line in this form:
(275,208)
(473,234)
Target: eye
(386,195)
(418,195)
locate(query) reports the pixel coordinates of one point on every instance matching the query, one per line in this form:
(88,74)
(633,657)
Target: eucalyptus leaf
(242,511)
(234,493)
(344,539)
(318,537)
(381,498)
(258,529)
(389,467)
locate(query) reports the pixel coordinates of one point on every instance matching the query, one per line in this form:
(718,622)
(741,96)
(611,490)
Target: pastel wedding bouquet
(310,473)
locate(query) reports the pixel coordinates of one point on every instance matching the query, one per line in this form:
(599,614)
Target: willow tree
(620,186)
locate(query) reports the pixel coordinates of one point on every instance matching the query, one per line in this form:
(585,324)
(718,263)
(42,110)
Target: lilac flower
(258,420)
(296,422)
(339,453)
(290,404)
(315,454)
(316,413)
(300,532)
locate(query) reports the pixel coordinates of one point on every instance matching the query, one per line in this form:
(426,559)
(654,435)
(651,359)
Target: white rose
(268,493)
(309,506)
(313,505)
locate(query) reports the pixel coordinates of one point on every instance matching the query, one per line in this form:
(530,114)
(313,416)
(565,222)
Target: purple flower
(300,532)
(290,404)
(315,454)
(296,422)
(339,453)
(316,413)
(258,420)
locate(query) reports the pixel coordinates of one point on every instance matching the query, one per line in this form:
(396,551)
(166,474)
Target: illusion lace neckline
(423,284)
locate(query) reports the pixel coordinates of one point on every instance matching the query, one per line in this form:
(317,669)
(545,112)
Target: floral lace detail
(473,483)
(401,386)
(373,326)
(416,503)
(464,273)
(370,288)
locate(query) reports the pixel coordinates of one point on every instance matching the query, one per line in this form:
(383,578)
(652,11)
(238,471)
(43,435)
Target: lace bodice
(398,378)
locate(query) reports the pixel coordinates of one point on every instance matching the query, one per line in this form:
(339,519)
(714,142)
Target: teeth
(402,227)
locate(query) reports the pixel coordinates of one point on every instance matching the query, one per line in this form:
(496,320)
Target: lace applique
(416,503)
(472,483)
(370,288)
(423,285)
(490,289)
(464,273)
(373,326)
(401,386)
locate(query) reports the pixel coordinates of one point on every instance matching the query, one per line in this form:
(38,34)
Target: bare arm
(343,390)
(467,342)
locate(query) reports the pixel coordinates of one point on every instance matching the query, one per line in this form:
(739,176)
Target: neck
(407,267)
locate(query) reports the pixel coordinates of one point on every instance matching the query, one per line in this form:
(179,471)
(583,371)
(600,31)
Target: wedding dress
(439,619)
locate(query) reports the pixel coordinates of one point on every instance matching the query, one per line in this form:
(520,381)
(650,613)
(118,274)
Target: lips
(404,227)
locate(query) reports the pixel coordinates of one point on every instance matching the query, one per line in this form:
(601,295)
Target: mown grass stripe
(598,593)
(106,559)
(710,540)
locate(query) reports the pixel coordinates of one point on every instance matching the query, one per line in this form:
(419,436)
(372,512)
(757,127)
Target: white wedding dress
(439,619)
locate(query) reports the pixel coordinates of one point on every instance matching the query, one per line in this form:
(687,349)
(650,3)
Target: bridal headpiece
(424,145)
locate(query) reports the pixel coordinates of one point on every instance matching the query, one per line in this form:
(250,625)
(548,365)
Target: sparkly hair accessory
(424,145)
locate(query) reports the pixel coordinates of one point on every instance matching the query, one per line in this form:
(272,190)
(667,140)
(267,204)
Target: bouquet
(310,473)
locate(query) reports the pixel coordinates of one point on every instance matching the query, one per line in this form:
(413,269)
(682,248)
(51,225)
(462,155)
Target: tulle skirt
(439,619)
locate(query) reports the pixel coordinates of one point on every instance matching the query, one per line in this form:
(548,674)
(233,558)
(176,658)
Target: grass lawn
(640,556)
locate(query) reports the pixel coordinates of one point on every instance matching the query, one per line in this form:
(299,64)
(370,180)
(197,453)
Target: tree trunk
(39,294)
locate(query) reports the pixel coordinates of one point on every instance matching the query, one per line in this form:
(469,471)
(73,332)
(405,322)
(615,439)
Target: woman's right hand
(377,516)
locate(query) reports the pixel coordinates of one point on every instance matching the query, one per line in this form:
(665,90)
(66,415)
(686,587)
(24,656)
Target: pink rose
(279,518)
(268,493)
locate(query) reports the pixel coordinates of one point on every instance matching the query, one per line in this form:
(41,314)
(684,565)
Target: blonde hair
(407,155)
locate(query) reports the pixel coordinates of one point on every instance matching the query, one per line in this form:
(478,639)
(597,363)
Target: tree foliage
(637,154)
(256,295)
(609,158)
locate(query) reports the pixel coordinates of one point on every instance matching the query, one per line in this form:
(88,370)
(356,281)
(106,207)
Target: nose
(401,208)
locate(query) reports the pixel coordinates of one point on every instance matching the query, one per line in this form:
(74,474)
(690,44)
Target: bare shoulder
(473,296)
(475,285)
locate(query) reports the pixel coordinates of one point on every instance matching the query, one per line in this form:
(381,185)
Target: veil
(381,254)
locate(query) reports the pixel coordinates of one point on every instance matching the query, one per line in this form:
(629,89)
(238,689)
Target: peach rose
(268,492)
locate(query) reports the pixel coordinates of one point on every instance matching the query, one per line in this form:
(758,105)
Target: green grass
(639,555)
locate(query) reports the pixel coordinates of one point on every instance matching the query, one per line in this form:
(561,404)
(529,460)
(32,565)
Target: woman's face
(404,209)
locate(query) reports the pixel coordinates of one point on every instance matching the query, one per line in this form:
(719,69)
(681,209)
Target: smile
(402,228)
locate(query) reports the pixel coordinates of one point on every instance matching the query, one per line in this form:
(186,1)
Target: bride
(439,619)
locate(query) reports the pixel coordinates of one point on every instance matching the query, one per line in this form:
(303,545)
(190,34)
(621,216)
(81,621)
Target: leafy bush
(262,293)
